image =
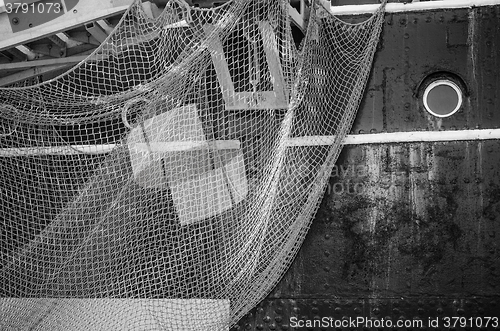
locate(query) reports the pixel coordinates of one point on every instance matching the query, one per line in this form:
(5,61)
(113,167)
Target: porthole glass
(442,98)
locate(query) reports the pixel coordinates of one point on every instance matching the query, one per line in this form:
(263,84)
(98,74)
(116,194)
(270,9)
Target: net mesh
(167,181)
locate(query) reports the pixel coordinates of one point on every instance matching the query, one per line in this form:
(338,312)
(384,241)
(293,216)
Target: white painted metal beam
(357,139)
(35,71)
(411,7)
(172,146)
(40,63)
(399,137)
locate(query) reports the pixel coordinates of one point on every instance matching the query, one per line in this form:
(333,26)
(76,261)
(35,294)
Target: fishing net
(167,181)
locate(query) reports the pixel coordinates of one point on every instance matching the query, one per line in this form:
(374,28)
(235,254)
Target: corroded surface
(408,230)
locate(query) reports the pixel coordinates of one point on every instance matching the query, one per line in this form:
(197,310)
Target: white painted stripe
(173,146)
(355,139)
(409,7)
(179,146)
(399,137)
(57,150)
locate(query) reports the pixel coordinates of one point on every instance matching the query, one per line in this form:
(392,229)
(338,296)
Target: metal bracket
(275,99)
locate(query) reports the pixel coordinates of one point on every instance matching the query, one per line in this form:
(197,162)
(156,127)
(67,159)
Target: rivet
(315,310)
(415,20)
(284,326)
(428,19)
(266,319)
(327,236)
(15,21)
(75,11)
(402,21)
(357,310)
(326,286)
(406,36)
(278,319)
(327,269)
(395,311)
(361,131)
(337,310)
(456,303)
(260,327)
(327,253)
(440,311)
(376,311)
(248,326)
(272,326)
(466,180)
(460,311)
(278,310)
(296,310)
(432,303)
(373,131)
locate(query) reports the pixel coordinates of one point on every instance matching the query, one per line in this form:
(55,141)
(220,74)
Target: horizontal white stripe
(57,150)
(399,137)
(356,139)
(172,146)
(413,6)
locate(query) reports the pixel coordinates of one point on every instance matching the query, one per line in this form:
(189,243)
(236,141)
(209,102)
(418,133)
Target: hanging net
(167,181)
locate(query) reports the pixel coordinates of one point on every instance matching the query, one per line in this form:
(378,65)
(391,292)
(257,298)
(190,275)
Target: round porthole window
(442,98)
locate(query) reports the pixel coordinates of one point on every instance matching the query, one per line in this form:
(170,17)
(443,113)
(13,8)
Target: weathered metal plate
(415,44)
(408,230)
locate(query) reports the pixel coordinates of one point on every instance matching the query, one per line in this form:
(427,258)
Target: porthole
(442,98)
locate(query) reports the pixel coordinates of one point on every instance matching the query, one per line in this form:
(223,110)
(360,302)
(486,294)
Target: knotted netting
(167,181)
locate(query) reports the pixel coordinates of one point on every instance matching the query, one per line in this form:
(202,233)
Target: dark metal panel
(404,220)
(286,314)
(415,44)
(404,230)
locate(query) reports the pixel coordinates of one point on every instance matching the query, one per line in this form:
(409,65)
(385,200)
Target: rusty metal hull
(408,230)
